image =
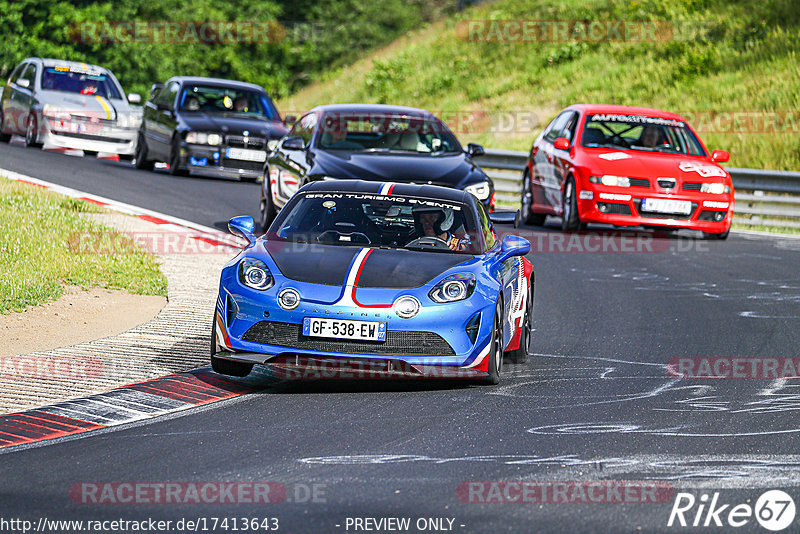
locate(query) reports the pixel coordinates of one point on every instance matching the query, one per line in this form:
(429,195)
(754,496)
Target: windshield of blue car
(381,221)
(81,82)
(227,100)
(381,133)
(637,132)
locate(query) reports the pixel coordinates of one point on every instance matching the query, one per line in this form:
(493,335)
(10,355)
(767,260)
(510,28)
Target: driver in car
(438,223)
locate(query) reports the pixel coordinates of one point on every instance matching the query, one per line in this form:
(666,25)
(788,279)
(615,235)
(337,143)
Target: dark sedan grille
(398,342)
(240,141)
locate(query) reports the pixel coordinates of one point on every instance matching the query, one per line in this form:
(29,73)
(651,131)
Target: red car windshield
(638,132)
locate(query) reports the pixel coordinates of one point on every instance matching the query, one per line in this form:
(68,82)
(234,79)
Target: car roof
(626,110)
(417,190)
(215,81)
(372,108)
(77,65)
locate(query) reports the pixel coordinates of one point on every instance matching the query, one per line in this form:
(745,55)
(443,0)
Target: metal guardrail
(763,197)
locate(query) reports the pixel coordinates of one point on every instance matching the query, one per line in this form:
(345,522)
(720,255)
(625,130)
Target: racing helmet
(443,224)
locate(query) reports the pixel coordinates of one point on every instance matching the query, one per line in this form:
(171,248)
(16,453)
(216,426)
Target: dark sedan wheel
(175,160)
(141,155)
(4,137)
(32,132)
(495,355)
(535,219)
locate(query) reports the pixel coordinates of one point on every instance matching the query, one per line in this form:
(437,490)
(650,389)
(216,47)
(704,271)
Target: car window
(167,95)
(90,82)
(639,132)
(16,72)
(304,127)
(29,74)
(370,219)
(569,129)
(487,229)
(378,132)
(227,100)
(557,126)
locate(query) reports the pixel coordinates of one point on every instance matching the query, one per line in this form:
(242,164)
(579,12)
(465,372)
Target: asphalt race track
(595,402)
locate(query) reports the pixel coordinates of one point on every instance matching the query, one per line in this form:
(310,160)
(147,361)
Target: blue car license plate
(344,329)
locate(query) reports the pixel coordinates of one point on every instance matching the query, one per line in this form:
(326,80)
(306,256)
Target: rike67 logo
(774,510)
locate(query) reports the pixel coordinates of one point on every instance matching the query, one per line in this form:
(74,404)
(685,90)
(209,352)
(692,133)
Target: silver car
(66,104)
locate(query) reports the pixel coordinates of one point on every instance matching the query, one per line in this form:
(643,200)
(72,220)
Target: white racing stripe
(385,188)
(481,357)
(350,281)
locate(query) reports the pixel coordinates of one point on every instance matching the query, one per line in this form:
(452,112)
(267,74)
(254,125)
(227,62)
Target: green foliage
(308,37)
(40,249)
(708,56)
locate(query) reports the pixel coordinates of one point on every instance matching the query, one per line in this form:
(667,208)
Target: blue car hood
(384,268)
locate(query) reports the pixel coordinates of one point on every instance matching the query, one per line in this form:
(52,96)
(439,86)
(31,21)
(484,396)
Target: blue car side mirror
(514,246)
(243,226)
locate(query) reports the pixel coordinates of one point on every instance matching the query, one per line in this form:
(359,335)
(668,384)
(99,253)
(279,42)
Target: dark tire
(226,367)
(126,157)
(142,162)
(526,198)
(520,354)
(719,237)
(32,132)
(4,137)
(267,208)
(570,220)
(496,348)
(90,153)
(175,159)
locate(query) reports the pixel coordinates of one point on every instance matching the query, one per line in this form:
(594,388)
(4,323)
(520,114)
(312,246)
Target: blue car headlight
(453,288)
(255,274)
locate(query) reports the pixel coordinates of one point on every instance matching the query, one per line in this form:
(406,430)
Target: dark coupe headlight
(453,288)
(254,274)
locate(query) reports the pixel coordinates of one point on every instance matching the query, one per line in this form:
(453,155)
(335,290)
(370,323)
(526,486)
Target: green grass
(39,233)
(727,57)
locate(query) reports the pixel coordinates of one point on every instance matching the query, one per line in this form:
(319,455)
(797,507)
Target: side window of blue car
(489,236)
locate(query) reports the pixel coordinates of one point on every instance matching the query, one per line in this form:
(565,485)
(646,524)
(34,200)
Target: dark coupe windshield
(77,81)
(376,132)
(637,132)
(373,220)
(216,99)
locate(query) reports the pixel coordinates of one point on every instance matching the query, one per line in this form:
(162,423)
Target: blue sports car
(368,279)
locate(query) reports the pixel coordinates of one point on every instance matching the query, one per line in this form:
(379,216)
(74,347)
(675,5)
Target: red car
(626,166)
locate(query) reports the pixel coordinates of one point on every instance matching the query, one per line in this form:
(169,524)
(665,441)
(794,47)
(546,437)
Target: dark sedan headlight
(453,288)
(203,138)
(255,274)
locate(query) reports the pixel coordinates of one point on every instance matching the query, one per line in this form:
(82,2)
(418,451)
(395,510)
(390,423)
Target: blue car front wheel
(495,365)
